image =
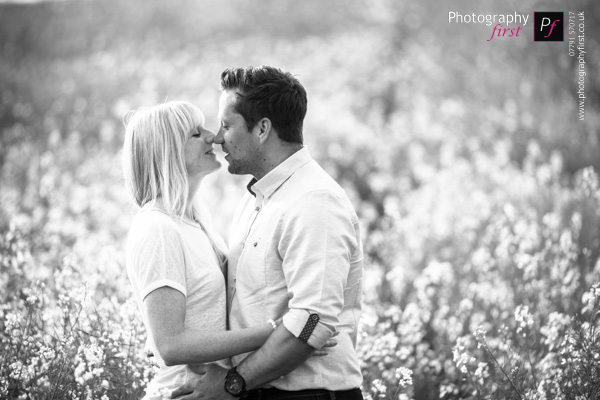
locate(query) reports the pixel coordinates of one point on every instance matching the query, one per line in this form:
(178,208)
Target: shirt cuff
(298,322)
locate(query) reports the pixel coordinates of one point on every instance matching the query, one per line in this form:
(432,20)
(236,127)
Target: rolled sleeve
(316,246)
(296,321)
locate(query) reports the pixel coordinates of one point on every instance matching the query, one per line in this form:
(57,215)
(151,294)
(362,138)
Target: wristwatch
(235,384)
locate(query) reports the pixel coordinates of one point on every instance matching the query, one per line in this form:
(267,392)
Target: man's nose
(218,139)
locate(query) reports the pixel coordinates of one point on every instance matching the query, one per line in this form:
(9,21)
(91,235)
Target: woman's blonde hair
(154,162)
(153,154)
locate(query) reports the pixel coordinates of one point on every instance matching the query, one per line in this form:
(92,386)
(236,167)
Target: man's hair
(268,92)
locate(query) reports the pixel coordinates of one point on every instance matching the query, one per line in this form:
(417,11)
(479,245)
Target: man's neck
(275,157)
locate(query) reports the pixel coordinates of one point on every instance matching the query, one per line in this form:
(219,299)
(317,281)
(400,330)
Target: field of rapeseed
(479,202)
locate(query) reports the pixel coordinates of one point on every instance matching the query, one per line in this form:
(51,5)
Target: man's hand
(209,386)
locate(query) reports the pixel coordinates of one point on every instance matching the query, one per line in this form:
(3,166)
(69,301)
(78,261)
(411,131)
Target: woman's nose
(209,136)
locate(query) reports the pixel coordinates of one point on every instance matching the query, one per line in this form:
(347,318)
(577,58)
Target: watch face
(234,384)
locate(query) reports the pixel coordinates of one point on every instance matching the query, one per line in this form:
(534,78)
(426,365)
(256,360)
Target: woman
(174,259)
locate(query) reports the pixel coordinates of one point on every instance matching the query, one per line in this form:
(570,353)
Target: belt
(274,393)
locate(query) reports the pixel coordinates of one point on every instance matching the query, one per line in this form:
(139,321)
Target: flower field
(479,202)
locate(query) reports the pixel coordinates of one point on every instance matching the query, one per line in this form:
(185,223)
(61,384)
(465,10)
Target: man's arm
(281,354)
(285,348)
(316,244)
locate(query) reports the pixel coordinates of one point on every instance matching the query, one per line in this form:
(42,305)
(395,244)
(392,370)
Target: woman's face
(200,159)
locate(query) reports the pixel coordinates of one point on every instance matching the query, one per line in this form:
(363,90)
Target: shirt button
(257,209)
(255,244)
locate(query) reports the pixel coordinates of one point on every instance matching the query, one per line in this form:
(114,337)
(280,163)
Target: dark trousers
(308,394)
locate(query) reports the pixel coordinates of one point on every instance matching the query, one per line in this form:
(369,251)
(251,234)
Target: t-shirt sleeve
(158,258)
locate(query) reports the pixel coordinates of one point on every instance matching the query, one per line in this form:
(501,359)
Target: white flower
(404,376)
(524,319)
(379,388)
(480,336)
(47,353)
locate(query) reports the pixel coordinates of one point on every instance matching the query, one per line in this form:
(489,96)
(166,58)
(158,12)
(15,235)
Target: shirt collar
(249,186)
(281,173)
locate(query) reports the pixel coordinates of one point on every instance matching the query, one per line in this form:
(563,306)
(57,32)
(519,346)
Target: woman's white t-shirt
(165,251)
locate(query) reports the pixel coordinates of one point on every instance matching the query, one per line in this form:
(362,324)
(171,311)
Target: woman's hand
(323,351)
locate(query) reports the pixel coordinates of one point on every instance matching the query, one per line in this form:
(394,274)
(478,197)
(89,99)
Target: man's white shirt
(296,251)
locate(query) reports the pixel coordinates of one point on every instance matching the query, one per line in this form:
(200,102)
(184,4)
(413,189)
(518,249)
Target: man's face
(239,143)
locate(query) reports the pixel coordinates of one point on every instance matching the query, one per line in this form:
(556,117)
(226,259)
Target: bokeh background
(474,178)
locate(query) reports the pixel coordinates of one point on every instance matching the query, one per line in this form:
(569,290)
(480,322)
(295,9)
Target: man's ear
(265,129)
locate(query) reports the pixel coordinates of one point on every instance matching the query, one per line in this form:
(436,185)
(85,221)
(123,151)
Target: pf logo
(548,26)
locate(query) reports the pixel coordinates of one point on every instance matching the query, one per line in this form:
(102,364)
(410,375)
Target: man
(295,250)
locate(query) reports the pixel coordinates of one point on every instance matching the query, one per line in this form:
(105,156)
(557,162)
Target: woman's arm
(165,308)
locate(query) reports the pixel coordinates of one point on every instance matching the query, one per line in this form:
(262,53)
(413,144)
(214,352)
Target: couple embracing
(274,316)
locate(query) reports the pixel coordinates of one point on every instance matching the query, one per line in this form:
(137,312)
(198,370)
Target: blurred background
(474,178)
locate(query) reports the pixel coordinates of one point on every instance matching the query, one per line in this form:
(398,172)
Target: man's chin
(232,170)
(233,166)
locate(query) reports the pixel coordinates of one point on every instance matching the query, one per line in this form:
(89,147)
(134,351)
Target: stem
(530,363)
(503,371)
(129,354)
(475,384)
(18,352)
(5,359)
(396,392)
(55,386)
